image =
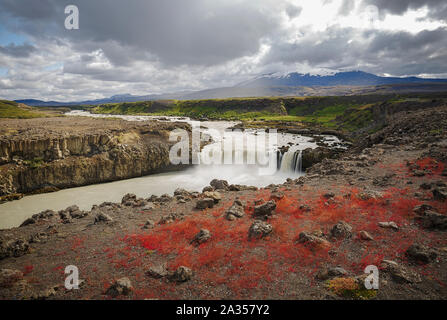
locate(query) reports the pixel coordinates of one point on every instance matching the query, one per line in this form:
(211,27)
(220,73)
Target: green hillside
(12,110)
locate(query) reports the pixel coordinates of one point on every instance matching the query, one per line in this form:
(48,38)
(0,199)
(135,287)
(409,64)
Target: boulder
(277,195)
(157,272)
(213,195)
(46,214)
(235,211)
(121,286)
(28,222)
(207,189)
(219,184)
(310,156)
(129,199)
(425,186)
(65,216)
(399,273)
(433,220)
(389,225)
(182,274)
(265,210)
(43,294)
(102,217)
(13,248)
(329,195)
(8,277)
(326,274)
(341,230)
(149,224)
(421,254)
(305,208)
(38,237)
(368,195)
(75,213)
(440,194)
(238,187)
(203,236)
(312,241)
(205,203)
(365,236)
(181,192)
(259,229)
(422,208)
(149,206)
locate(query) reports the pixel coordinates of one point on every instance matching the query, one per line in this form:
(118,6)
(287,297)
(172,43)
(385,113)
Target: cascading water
(291,161)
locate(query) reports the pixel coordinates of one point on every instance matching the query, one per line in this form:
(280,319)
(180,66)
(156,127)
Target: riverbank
(48,154)
(381,203)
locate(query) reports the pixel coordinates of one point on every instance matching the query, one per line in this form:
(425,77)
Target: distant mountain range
(291,84)
(351,78)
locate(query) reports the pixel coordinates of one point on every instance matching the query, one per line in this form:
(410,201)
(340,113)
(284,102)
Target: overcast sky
(158,46)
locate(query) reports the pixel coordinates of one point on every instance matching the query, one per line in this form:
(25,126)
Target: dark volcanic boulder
(421,254)
(205,203)
(182,274)
(313,156)
(440,194)
(235,211)
(265,210)
(259,229)
(433,220)
(13,248)
(219,184)
(203,236)
(121,286)
(341,230)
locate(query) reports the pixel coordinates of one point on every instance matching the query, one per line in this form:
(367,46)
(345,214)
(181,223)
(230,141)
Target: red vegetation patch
(430,165)
(77,243)
(231,260)
(27,269)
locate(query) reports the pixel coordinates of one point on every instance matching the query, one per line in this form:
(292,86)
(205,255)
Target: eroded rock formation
(65,157)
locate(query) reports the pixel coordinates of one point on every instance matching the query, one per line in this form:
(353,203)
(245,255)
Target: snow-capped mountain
(350,78)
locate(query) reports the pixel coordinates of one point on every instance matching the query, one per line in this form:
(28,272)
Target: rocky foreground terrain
(382,203)
(47,154)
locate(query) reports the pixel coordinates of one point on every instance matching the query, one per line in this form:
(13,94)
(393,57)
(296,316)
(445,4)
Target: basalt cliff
(49,154)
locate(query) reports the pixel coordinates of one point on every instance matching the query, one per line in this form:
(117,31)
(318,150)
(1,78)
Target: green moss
(34,163)
(349,288)
(133,108)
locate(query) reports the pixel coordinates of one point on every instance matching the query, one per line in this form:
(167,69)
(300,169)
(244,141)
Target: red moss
(230,259)
(27,269)
(430,164)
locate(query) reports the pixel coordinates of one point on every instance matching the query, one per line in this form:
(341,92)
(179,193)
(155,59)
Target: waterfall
(291,161)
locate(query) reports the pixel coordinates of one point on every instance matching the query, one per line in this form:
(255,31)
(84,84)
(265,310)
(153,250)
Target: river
(13,213)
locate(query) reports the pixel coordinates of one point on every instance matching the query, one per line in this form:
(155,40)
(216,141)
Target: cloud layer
(151,46)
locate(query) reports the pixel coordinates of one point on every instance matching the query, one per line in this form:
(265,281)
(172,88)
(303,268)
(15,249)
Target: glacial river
(13,213)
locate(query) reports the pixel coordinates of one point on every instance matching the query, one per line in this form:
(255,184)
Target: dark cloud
(398,53)
(178,32)
(154,46)
(18,51)
(31,10)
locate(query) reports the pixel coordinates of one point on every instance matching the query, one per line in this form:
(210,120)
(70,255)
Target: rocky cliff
(75,152)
